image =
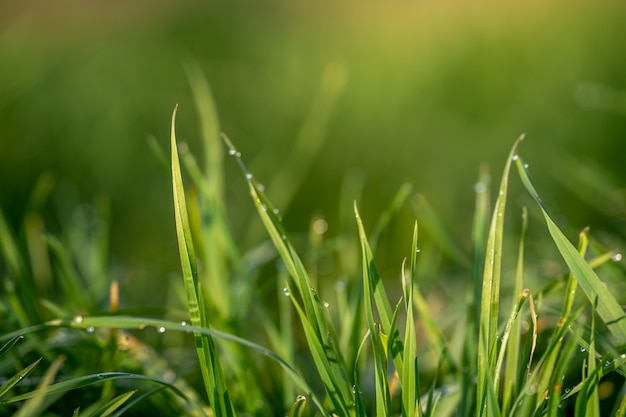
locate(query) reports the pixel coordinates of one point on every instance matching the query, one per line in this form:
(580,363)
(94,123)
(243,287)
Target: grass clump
(263,333)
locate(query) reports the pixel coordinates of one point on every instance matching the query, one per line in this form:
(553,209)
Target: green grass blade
(114,404)
(9,344)
(297,409)
(490,298)
(18,377)
(142,323)
(378,293)
(409,375)
(609,308)
(512,346)
(210,367)
(35,404)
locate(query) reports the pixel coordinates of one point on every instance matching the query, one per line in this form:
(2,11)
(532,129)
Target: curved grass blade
(35,405)
(609,308)
(18,377)
(490,298)
(297,409)
(9,345)
(141,323)
(210,367)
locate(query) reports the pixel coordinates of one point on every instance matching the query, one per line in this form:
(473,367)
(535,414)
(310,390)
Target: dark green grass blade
(210,367)
(490,298)
(609,308)
(9,344)
(18,377)
(35,404)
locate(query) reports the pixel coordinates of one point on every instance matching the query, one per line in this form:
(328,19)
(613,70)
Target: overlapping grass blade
(490,298)
(410,375)
(609,308)
(325,352)
(297,409)
(35,404)
(113,405)
(210,367)
(18,377)
(379,295)
(512,344)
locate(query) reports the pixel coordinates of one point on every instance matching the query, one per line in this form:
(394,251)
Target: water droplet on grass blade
(515,157)
(90,329)
(161,329)
(232,152)
(617,257)
(286,292)
(526,166)
(418,250)
(78,319)
(249,176)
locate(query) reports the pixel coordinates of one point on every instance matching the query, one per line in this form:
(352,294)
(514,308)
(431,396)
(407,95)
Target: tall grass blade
(490,298)
(207,352)
(512,346)
(609,308)
(409,379)
(114,404)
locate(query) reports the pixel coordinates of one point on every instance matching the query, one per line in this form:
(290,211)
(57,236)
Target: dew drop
(623,356)
(526,166)
(326,305)
(283,237)
(261,187)
(567,390)
(78,319)
(100,376)
(183,323)
(249,176)
(276,211)
(515,157)
(161,329)
(263,207)
(492,262)
(232,152)
(286,292)
(90,329)
(418,250)
(617,257)
(582,349)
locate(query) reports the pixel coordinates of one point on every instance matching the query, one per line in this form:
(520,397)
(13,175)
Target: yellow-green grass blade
(35,404)
(409,376)
(6,387)
(490,298)
(136,399)
(113,405)
(207,353)
(513,343)
(377,291)
(592,408)
(609,308)
(297,409)
(76,412)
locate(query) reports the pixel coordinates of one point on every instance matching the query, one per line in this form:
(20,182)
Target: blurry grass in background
(431,91)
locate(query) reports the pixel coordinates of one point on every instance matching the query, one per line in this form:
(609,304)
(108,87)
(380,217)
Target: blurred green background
(426,92)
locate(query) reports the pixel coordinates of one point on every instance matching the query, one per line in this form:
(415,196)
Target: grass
(265,332)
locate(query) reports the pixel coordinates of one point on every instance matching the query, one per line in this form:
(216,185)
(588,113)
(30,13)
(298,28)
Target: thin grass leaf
(210,367)
(76,412)
(35,404)
(141,323)
(328,359)
(592,408)
(114,404)
(136,400)
(379,294)
(609,308)
(512,345)
(9,345)
(6,387)
(490,297)
(410,375)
